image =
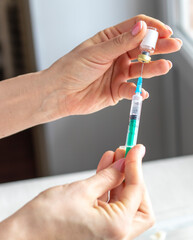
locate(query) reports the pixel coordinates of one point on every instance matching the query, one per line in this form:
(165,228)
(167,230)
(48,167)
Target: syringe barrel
(134,120)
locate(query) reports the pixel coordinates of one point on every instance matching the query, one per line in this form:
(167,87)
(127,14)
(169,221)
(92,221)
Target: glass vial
(148,45)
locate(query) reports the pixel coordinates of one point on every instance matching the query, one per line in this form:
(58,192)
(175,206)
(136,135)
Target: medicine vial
(148,45)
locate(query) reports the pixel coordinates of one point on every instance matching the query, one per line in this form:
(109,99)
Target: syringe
(134,117)
(147,47)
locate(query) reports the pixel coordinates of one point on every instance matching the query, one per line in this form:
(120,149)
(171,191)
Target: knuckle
(108,32)
(121,40)
(47,193)
(140,17)
(107,175)
(42,195)
(103,35)
(117,227)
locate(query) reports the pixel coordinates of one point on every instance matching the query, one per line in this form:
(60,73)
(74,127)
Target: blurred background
(34,33)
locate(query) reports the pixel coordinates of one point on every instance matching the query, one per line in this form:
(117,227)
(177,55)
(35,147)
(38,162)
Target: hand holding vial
(94,75)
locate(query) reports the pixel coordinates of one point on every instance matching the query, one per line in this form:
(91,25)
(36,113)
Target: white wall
(60,25)
(77,143)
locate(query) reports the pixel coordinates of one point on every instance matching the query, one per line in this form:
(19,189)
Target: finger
(106,179)
(170,45)
(109,157)
(164,46)
(126,26)
(144,218)
(119,154)
(164,30)
(146,205)
(120,88)
(109,50)
(133,165)
(152,69)
(132,193)
(114,194)
(106,160)
(127,90)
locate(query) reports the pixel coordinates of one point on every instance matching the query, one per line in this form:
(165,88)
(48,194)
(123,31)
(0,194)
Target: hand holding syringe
(147,47)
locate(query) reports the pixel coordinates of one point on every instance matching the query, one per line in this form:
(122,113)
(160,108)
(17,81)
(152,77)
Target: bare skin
(91,77)
(76,211)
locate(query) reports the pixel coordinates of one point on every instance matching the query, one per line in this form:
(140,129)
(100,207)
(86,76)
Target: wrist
(52,95)
(11,228)
(24,224)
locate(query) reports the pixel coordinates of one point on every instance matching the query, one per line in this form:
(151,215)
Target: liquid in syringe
(147,47)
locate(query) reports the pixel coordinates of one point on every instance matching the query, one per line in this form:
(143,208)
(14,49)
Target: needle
(142,69)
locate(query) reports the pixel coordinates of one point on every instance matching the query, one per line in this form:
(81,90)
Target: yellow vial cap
(144,58)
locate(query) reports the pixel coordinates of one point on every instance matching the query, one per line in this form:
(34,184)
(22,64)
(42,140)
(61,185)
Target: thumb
(132,193)
(123,43)
(133,165)
(106,179)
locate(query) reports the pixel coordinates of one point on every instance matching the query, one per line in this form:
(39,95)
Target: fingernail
(169,28)
(136,28)
(170,64)
(119,165)
(180,41)
(122,147)
(142,150)
(147,95)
